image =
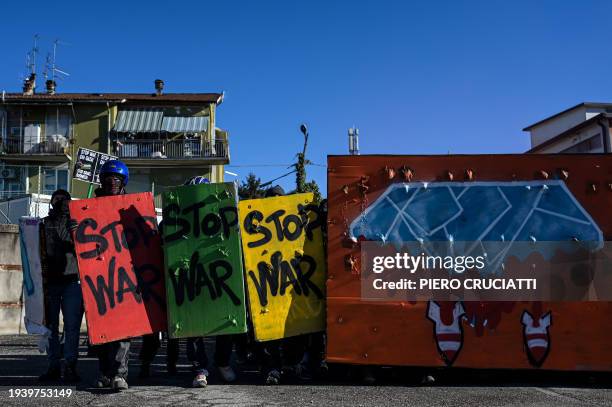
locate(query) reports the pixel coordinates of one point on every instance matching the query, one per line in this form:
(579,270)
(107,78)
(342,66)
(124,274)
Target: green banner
(203,260)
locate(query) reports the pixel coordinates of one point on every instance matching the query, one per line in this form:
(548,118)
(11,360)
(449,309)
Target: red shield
(120,265)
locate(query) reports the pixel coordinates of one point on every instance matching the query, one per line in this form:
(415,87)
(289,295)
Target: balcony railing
(11,194)
(16,145)
(171,149)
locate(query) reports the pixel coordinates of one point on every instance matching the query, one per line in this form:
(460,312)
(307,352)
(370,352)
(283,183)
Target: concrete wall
(11,284)
(11,314)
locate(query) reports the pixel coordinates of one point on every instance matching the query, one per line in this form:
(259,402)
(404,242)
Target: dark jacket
(59,255)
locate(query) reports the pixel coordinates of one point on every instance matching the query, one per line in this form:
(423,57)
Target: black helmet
(276,190)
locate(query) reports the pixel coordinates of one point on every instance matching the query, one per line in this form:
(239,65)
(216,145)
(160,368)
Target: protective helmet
(198,179)
(115,167)
(276,190)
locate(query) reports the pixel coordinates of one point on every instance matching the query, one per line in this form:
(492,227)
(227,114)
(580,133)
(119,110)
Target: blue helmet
(198,179)
(115,167)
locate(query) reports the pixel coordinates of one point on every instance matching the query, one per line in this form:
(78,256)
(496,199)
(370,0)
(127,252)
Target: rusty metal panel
(548,335)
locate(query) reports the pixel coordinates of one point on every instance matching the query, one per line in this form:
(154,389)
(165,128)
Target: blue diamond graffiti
(475,216)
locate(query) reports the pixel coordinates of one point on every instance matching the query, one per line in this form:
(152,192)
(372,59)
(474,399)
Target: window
(12,181)
(53,179)
(57,123)
(3,125)
(590,145)
(33,130)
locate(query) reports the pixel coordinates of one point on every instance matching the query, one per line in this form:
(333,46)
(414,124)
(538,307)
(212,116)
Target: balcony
(167,151)
(14,145)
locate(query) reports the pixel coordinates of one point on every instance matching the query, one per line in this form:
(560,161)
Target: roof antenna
(31,56)
(29,83)
(52,69)
(51,63)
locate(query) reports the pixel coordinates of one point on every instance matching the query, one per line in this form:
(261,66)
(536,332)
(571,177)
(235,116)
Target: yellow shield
(282,242)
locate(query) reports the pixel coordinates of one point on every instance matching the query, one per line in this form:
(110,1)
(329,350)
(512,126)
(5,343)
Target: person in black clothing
(271,354)
(113,357)
(196,352)
(150,345)
(62,289)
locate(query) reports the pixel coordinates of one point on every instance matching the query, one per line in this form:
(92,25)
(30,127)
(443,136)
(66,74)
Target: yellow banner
(282,243)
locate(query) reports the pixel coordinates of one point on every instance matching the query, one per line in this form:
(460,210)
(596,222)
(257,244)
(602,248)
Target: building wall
(558,125)
(571,140)
(91,130)
(157,180)
(91,124)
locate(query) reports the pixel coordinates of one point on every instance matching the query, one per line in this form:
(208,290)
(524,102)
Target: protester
(223,351)
(287,352)
(314,355)
(196,352)
(63,290)
(113,357)
(150,346)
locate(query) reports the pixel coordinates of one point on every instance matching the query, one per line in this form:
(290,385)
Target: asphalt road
(21,363)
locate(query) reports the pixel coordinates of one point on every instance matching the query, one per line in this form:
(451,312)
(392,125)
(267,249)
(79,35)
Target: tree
(314,188)
(251,188)
(300,173)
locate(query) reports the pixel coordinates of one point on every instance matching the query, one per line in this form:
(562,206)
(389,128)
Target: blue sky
(427,77)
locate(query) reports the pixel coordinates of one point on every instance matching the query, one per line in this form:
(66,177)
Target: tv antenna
(51,66)
(31,57)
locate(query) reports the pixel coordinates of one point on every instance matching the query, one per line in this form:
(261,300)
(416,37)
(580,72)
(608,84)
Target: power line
(265,184)
(270,165)
(259,165)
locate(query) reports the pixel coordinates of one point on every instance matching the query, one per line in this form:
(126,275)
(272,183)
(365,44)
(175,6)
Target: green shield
(203,261)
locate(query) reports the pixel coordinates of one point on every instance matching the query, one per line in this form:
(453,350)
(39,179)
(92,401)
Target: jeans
(290,351)
(68,298)
(196,351)
(113,358)
(150,346)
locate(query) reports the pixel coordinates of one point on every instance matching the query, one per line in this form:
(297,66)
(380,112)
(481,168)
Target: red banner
(120,265)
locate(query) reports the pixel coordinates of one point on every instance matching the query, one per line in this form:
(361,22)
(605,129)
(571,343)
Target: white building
(584,128)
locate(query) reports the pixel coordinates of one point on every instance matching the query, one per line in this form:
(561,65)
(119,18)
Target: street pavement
(21,363)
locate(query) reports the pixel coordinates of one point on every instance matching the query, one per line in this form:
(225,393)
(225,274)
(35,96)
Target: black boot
(53,374)
(145,370)
(70,374)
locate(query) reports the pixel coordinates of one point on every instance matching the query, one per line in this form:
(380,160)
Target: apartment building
(164,138)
